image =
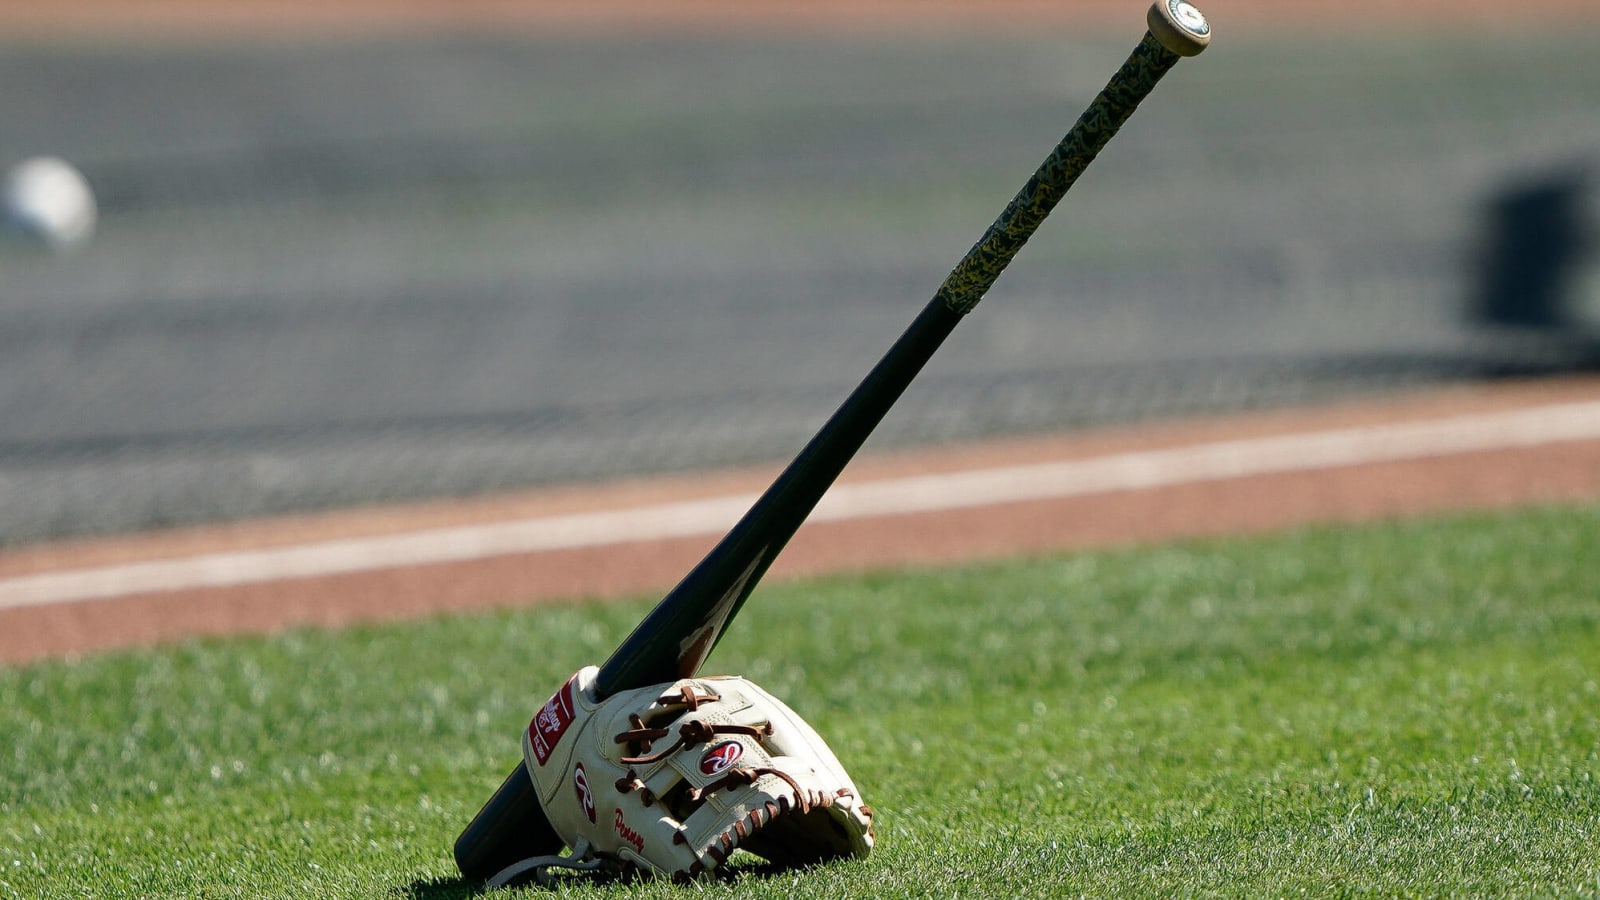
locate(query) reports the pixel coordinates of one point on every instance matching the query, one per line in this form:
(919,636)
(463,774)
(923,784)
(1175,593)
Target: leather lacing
(694,733)
(758,818)
(690,734)
(632,782)
(743,776)
(645,735)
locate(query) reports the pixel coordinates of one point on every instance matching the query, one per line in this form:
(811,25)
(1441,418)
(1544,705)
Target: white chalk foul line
(1136,470)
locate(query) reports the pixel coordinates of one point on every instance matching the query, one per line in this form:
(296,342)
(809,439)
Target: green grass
(1396,709)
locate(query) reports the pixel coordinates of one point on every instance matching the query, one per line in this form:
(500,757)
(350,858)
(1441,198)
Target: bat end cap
(1179,26)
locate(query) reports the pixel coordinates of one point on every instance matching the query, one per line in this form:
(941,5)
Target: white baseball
(48,201)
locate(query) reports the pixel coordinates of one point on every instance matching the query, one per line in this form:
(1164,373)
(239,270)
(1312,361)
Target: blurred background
(363,252)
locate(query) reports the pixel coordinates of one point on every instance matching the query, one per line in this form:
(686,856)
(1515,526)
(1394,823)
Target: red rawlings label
(720,757)
(546,729)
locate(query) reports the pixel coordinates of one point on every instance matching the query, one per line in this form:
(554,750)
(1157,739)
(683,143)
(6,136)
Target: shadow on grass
(753,871)
(438,889)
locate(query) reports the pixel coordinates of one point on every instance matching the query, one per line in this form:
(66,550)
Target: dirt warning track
(1456,449)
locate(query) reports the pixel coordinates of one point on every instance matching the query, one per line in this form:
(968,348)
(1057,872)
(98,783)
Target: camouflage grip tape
(977,271)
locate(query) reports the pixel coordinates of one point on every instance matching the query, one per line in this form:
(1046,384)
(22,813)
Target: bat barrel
(675,638)
(511,827)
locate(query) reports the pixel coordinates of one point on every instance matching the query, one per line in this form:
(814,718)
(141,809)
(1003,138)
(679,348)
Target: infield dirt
(1508,475)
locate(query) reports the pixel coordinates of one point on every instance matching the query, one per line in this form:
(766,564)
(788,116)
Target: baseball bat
(678,634)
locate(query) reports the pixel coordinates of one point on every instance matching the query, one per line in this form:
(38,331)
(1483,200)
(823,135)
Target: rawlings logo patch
(580,783)
(720,757)
(546,729)
(628,834)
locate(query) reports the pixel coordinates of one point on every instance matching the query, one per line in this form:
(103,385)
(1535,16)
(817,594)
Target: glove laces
(690,734)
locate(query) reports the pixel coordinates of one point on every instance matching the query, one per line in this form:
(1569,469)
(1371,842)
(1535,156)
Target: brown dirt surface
(1501,476)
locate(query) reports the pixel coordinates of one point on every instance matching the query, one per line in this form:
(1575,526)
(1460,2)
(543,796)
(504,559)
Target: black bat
(675,638)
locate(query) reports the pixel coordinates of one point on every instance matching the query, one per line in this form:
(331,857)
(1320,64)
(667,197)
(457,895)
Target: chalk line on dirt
(1127,471)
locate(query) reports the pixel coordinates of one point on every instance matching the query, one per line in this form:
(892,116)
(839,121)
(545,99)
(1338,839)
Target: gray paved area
(339,273)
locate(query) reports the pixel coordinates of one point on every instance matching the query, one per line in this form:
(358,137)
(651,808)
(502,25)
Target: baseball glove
(672,778)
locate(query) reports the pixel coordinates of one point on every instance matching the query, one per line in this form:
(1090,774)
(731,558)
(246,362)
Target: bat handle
(511,827)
